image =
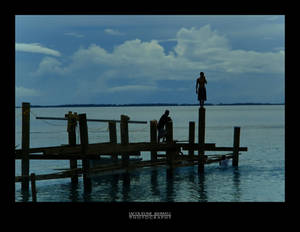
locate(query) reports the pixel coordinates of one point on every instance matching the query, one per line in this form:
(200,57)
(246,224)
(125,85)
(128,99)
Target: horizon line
(150,104)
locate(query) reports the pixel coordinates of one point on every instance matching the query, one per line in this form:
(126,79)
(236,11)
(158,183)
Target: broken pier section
(85,151)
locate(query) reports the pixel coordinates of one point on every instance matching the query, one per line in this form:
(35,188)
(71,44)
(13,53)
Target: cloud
(49,65)
(138,65)
(256,31)
(212,52)
(132,88)
(199,43)
(196,49)
(35,48)
(113,32)
(74,34)
(134,59)
(26,92)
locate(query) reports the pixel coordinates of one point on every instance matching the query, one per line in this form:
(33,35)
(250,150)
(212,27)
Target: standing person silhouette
(200,88)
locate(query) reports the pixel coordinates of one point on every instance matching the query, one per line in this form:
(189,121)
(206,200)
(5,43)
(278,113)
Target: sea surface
(260,176)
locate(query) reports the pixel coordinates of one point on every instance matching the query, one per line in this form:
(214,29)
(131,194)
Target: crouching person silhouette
(161,127)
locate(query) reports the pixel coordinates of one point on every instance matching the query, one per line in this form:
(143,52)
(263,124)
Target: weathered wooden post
(124,138)
(201,139)
(153,138)
(84,145)
(191,138)
(72,122)
(113,137)
(236,145)
(169,139)
(25,145)
(33,187)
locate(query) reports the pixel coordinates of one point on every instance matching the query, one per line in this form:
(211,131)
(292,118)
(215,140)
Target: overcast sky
(120,59)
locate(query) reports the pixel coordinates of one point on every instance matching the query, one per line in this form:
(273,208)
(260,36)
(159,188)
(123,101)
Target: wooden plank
(40,149)
(108,148)
(84,145)
(63,149)
(186,156)
(169,139)
(94,120)
(119,121)
(201,126)
(113,167)
(51,118)
(191,137)
(33,187)
(226,149)
(236,144)
(72,122)
(124,138)
(201,139)
(51,176)
(153,138)
(59,157)
(70,156)
(25,144)
(113,137)
(99,169)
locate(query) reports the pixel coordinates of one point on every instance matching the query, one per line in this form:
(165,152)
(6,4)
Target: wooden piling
(72,122)
(25,145)
(113,137)
(236,145)
(201,138)
(153,138)
(124,138)
(191,138)
(169,139)
(33,187)
(84,145)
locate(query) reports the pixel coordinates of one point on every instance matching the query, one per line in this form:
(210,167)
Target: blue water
(260,176)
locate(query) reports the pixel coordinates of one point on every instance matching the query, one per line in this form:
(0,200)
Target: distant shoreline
(147,104)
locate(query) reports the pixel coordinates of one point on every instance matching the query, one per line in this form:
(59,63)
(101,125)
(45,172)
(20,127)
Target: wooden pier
(177,154)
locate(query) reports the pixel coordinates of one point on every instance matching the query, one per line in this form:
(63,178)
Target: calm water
(259,177)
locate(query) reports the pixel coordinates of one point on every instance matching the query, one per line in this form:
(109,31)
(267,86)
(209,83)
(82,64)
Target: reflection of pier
(176,186)
(173,157)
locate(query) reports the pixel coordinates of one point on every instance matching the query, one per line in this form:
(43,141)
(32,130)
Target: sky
(123,59)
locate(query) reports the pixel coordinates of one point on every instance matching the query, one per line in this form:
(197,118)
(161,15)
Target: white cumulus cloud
(110,31)
(49,65)
(36,48)
(146,62)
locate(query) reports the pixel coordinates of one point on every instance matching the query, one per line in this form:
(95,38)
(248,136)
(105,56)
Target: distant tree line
(147,104)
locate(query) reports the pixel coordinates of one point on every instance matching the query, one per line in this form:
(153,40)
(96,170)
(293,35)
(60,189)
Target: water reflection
(236,184)
(73,194)
(191,176)
(125,178)
(162,185)
(202,188)
(154,184)
(114,187)
(170,185)
(24,195)
(87,196)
